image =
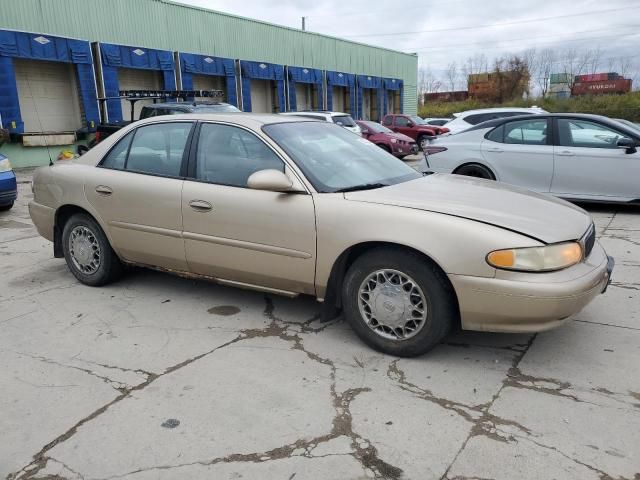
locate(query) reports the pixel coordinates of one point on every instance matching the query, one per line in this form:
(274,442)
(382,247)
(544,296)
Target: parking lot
(158,377)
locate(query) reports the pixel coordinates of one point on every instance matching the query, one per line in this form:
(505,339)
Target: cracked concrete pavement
(160,377)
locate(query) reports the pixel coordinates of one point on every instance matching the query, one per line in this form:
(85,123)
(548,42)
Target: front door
(137,194)
(235,233)
(588,163)
(521,153)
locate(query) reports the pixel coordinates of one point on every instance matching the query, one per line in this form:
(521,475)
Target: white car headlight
(537,259)
(5,165)
(393,140)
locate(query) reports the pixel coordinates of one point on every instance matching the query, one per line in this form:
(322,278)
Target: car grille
(588,240)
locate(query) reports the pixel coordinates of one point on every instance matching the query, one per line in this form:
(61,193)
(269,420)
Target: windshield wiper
(364,186)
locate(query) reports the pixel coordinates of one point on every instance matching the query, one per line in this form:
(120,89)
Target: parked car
(103,130)
(470,118)
(343,119)
(436,121)
(574,156)
(395,143)
(413,126)
(292,206)
(634,125)
(8,184)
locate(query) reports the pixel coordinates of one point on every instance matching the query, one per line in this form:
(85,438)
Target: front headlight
(5,165)
(393,140)
(537,259)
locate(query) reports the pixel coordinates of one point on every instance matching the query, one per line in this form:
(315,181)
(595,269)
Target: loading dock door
(303,96)
(370,104)
(339,103)
(262,96)
(48,90)
(137,79)
(209,82)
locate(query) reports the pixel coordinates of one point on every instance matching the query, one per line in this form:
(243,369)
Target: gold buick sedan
(294,206)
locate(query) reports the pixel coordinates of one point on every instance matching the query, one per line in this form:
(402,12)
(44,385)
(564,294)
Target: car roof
(185,105)
(255,120)
(497,110)
(489,124)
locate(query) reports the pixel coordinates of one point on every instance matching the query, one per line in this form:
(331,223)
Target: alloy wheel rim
(392,304)
(84,250)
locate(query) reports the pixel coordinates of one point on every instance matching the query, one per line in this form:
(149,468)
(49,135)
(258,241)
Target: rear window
(343,120)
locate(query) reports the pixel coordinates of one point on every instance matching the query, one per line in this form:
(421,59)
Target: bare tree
(427,83)
(545,67)
(593,58)
(452,76)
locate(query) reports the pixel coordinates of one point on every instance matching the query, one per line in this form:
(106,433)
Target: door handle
(104,190)
(495,150)
(566,153)
(200,205)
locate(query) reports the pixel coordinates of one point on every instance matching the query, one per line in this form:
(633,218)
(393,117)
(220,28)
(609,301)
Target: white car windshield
(334,159)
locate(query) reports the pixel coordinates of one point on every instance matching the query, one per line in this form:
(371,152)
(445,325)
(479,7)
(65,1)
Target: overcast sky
(454,30)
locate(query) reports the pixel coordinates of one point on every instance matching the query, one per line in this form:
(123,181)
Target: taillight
(431,150)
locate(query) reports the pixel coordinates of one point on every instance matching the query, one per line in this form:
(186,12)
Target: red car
(395,143)
(414,127)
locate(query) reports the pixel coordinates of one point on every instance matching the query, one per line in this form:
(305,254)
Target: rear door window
(526,132)
(402,122)
(158,149)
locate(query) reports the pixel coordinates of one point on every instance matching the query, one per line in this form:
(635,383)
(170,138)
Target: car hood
(538,216)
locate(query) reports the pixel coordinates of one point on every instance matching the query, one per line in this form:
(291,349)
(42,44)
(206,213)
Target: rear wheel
(87,251)
(398,302)
(476,170)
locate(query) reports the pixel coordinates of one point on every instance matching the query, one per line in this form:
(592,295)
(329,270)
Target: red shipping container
(603,86)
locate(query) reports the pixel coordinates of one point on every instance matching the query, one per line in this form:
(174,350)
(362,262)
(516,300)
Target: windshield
(335,159)
(376,127)
(216,108)
(343,120)
(417,120)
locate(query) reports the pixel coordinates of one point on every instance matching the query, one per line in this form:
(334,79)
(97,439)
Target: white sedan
(574,156)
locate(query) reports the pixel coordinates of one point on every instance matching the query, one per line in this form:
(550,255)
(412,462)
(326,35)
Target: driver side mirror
(409,124)
(270,180)
(628,144)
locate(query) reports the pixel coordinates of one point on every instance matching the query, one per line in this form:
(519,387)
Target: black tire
(442,306)
(422,138)
(8,206)
(109,266)
(475,170)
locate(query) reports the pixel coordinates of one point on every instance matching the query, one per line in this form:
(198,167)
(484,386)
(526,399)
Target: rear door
(239,234)
(521,153)
(137,190)
(589,164)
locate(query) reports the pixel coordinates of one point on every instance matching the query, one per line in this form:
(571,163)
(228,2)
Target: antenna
(35,106)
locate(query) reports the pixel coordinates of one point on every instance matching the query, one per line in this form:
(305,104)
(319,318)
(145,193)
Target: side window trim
(113,147)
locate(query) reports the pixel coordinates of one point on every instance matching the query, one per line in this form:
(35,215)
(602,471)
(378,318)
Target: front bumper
(402,149)
(8,188)
(531,302)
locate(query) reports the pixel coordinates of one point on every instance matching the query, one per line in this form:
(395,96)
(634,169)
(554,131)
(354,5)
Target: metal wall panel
(161,24)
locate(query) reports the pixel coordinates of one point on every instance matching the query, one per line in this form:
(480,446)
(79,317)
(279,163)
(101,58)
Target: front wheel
(476,170)
(398,302)
(8,206)
(87,251)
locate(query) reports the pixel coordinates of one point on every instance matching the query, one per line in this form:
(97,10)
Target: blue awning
(36,46)
(304,75)
(117,56)
(261,71)
(191,64)
(392,84)
(341,79)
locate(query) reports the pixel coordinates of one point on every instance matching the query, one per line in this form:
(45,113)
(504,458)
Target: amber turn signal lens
(502,258)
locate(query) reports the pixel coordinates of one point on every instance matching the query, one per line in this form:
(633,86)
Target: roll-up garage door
(339,94)
(261,96)
(48,96)
(303,96)
(210,82)
(137,79)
